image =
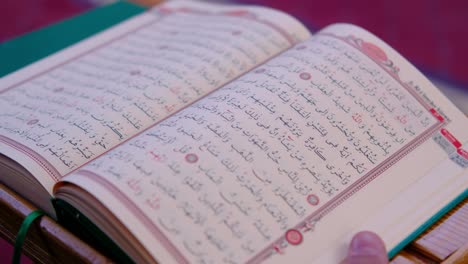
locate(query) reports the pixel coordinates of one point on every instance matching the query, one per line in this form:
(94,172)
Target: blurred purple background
(432,34)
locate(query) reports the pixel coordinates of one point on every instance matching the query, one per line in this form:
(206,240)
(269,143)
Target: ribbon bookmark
(22,234)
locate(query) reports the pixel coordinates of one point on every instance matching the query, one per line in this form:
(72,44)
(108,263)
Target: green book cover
(28,48)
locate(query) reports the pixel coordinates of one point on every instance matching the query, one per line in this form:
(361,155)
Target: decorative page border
(41,161)
(162,13)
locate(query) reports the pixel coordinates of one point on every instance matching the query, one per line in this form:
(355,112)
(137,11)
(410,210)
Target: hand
(366,248)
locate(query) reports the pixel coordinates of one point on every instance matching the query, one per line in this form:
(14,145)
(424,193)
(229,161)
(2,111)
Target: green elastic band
(22,234)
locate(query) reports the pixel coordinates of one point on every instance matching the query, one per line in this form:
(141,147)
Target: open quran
(230,134)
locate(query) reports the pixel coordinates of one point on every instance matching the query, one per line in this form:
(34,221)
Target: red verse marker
(294,237)
(312,199)
(305,76)
(191,158)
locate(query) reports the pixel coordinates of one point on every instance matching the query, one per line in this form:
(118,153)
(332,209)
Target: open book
(214,134)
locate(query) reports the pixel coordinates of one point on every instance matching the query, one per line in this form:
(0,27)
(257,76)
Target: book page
(410,192)
(402,219)
(283,162)
(67,110)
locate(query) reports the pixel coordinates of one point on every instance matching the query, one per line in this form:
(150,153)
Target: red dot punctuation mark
(305,76)
(153,202)
(294,237)
(191,158)
(357,118)
(278,249)
(402,118)
(155,156)
(169,108)
(313,199)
